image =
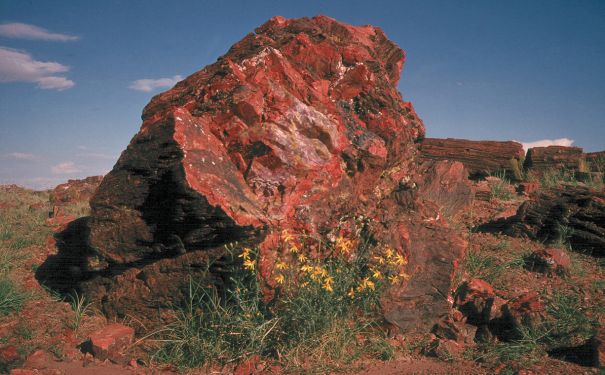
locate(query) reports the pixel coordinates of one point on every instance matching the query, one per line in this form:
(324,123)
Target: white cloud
(547,142)
(20,156)
(148,85)
(97,155)
(17,66)
(24,31)
(67,167)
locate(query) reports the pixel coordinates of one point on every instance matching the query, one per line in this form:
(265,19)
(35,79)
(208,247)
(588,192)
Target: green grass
(500,188)
(80,307)
(11,299)
(558,176)
(570,324)
(483,265)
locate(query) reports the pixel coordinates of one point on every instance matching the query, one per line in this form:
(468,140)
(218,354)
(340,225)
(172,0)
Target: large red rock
(297,127)
(481,158)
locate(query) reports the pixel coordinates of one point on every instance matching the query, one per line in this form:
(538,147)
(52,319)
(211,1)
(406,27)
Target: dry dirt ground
(41,332)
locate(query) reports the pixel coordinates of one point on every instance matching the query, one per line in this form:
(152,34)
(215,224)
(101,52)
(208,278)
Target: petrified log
(570,214)
(553,157)
(481,158)
(300,126)
(595,162)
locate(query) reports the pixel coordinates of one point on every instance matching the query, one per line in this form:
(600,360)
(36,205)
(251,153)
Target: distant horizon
(74,78)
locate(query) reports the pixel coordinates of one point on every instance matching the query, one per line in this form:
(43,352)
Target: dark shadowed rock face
(299,125)
(571,214)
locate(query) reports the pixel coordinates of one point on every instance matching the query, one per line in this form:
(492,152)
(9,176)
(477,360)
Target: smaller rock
(550,260)
(8,354)
(110,341)
(248,367)
(23,371)
(474,299)
(526,188)
(526,310)
(38,360)
(482,191)
(444,349)
(458,331)
(510,212)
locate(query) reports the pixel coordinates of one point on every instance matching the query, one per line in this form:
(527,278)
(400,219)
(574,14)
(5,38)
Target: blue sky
(70,71)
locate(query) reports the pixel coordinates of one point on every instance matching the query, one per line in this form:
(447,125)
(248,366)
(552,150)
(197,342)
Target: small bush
(324,310)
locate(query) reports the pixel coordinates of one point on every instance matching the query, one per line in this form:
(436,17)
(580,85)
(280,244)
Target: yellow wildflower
(280,279)
(393,279)
(376,274)
(400,260)
(281,266)
(245,253)
(249,264)
(380,260)
(286,236)
(306,268)
(366,283)
(293,248)
(344,245)
(351,293)
(319,271)
(389,252)
(327,285)
(302,258)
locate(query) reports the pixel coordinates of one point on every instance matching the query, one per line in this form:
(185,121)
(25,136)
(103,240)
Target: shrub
(324,309)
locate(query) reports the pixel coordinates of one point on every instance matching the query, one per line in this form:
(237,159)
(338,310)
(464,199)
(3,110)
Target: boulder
(298,127)
(481,158)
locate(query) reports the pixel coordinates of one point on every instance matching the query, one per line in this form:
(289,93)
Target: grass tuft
(500,188)
(11,299)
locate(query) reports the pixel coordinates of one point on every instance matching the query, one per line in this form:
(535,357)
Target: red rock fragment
(8,354)
(475,299)
(550,260)
(110,341)
(526,188)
